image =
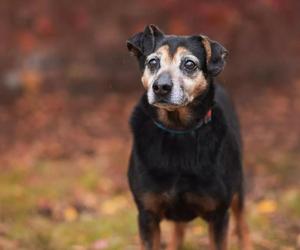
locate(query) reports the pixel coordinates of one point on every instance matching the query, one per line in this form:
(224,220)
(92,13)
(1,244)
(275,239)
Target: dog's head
(175,69)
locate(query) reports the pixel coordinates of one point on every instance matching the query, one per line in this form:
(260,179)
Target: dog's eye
(190,65)
(153,64)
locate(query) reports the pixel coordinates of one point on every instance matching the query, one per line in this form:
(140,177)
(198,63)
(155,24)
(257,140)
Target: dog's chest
(180,201)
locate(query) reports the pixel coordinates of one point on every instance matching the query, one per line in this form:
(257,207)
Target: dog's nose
(162,88)
(163,85)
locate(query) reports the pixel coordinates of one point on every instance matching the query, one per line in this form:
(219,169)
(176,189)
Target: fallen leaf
(32,80)
(266,206)
(113,205)
(70,214)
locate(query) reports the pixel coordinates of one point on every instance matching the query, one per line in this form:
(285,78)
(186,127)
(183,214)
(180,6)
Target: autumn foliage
(67,88)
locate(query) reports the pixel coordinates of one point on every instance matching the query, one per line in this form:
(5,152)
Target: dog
(186,159)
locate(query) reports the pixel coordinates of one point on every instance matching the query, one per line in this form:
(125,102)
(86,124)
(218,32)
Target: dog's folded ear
(143,43)
(215,56)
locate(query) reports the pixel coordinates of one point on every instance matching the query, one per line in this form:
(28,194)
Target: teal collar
(202,122)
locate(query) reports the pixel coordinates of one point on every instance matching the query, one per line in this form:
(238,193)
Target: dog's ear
(143,43)
(215,55)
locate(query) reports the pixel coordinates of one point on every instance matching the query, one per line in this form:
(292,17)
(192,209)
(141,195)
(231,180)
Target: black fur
(205,162)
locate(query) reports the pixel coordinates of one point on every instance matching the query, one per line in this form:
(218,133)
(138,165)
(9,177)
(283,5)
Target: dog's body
(186,158)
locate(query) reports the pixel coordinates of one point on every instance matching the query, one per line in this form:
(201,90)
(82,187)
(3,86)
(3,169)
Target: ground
(63,176)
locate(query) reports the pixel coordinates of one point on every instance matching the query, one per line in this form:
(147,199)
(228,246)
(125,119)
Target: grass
(65,205)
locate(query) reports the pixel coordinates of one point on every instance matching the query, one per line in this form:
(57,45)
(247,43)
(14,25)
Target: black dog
(186,158)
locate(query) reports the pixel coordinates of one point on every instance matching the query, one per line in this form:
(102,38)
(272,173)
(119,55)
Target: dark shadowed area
(67,87)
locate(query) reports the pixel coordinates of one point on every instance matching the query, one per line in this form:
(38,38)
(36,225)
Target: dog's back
(223,100)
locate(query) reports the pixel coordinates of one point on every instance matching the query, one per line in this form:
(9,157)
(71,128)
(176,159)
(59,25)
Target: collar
(202,122)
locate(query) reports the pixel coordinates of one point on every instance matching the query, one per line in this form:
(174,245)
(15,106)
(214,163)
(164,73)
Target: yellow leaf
(32,80)
(70,214)
(113,205)
(266,206)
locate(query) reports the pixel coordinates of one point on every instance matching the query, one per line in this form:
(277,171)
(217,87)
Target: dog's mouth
(169,105)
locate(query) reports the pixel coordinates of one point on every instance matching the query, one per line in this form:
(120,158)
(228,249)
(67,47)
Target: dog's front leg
(218,230)
(177,236)
(149,230)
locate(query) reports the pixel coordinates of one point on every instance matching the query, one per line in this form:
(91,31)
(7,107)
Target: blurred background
(68,84)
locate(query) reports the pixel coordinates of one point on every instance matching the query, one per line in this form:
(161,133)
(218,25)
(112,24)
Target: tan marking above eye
(180,52)
(165,57)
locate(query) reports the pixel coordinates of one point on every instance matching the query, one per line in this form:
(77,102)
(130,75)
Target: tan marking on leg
(212,245)
(212,239)
(177,236)
(241,224)
(142,245)
(155,241)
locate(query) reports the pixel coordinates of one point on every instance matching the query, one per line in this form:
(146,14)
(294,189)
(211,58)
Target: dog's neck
(188,117)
